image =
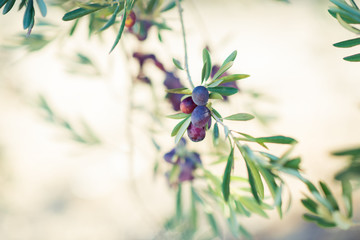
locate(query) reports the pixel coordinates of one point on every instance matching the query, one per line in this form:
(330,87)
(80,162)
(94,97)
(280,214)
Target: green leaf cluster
(347,15)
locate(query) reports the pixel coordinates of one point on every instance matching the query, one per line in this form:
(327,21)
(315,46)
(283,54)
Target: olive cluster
(200,114)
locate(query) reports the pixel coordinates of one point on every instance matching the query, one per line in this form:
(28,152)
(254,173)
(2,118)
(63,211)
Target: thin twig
(185,47)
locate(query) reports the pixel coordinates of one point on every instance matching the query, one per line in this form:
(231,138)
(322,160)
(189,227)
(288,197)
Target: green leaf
(72,30)
(347,196)
(179,91)
(215,95)
(353,58)
(3,2)
(212,221)
(178,203)
(225,91)
(250,139)
(29,15)
(277,139)
(182,129)
(245,233)
(240,117)
(274,189)
(230,58)
(169,6)
(207,65)
(348,152)
(347,17)
(227,174)
(177,127)
(255,181)
(293,163)
(121,29)
(216,134)
(9,5)
(233,77)
(223,69)
(310,205)
(80,12)
(241,209)
(216,113)
(321,222)
(178,116)
(177,64)
(348,43)
(253,206)
(42,7)
(151,5)
(329,196)
(346,7)
(346,25)
(112,19)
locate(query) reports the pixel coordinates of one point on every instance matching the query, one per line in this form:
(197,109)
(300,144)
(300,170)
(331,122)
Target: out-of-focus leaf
(29,15)
(310,205)
(177,64)
(321,222)
(80,12)
(216,134)
(348,152)
(329,196)
(9,5)
(212,221)
(182,129)
(227,174)
(347,197)
(253,206)
(225,91)
(348,43)
(245,233)
(216,113)
(179,203)
(121,29)
(341,221)
(240,117)
(179,91)
(112,19)
(169,6)
(42,7)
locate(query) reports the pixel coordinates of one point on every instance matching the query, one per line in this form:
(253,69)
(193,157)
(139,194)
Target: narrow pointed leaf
(347,196)
(353,58)
(346,25)
(80,12)
(178,116)
(9,5)
(122,25)
(277,139)
(179,91)
(226,176)
(177,127)
(225,91)
(28,15)
(348,43)
(216,134)
(310,205)
(42,7)
(329,196)
(230,58)
(207,65)
(177,64)
(346,7)
(182,130)
(215,95)
(112,19)
(240,117)
(223,69)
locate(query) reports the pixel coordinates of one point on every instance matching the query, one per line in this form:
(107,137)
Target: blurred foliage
(347,15)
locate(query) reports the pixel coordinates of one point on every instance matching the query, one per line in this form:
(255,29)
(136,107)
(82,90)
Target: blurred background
(102,185)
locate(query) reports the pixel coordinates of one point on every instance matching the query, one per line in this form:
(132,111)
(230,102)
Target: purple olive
(200,95)
(196,134)
(200,116)
(187,105)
